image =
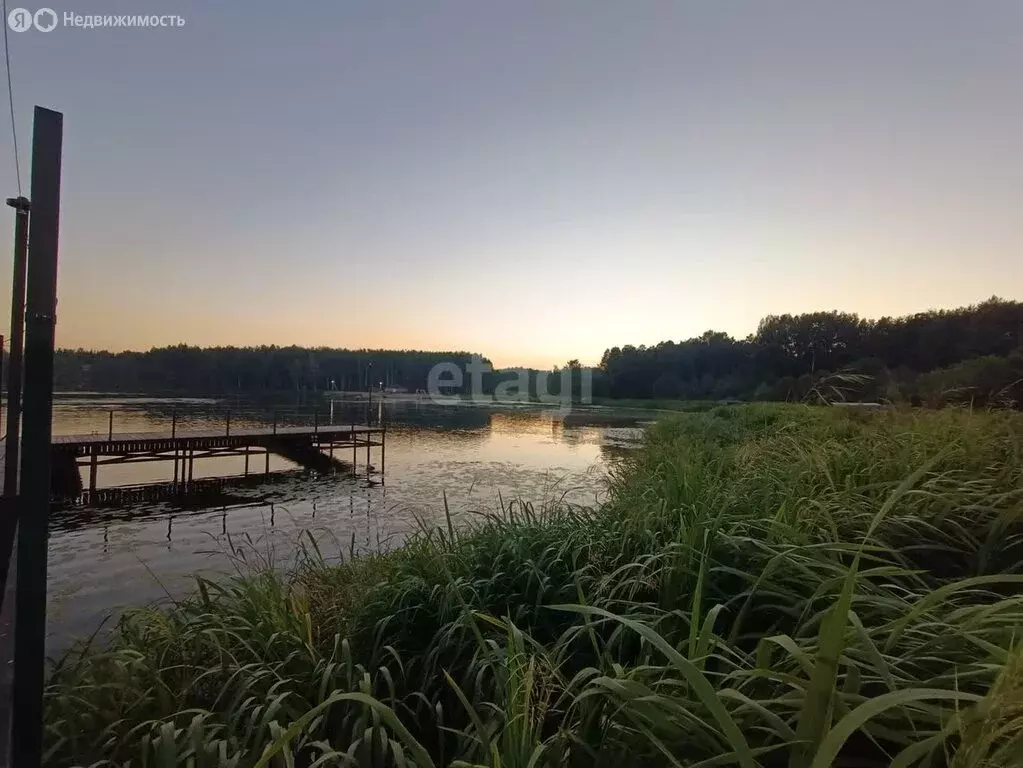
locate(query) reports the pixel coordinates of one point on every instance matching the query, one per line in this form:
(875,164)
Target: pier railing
(176,420)
(308,437)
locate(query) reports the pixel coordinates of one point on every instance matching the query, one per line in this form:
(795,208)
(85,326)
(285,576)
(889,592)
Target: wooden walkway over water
(320,448)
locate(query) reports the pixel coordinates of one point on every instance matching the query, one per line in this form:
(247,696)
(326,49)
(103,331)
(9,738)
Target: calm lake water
(104,558)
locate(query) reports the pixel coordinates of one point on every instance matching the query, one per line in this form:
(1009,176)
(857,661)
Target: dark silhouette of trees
(250,370)
(970,350)
(971,354)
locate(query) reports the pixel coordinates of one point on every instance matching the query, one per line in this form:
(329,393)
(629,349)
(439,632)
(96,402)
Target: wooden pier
(321,448)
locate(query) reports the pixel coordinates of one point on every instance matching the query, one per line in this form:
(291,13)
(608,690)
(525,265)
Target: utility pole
(21,207)
(34,492)
(3,348)
(8,509)
(8,502)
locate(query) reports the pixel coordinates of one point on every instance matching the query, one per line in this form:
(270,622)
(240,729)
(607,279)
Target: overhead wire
(10,99)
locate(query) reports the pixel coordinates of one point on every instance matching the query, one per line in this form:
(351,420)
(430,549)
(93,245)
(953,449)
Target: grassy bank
(657,404)
(768,586)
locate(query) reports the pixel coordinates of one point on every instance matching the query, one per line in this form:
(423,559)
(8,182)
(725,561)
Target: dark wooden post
(9,511)
(93,466)
(228,426)
(355,457)
(14,369)
(246,461)
(383,445)
(266,470)
(34,495)
(110,427)
(275,421)
(369,380)
(174,434)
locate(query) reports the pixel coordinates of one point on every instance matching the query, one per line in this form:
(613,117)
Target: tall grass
(768,586)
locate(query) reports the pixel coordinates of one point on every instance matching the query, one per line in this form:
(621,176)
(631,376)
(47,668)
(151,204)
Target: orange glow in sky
(533,181)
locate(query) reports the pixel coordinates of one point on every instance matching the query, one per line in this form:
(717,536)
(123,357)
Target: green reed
(767,586)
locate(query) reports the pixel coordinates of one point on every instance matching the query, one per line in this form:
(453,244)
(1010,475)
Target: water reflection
(146,545)
(139,501)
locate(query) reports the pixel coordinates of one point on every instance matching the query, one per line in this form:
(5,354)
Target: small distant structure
(395,390)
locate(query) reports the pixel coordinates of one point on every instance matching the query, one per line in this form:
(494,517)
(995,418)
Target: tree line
(270,370)
(250,370)
(971,354)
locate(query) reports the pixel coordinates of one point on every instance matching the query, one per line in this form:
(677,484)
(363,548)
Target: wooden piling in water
(93,466)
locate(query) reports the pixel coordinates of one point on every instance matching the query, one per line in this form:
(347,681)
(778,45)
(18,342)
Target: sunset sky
(534,180)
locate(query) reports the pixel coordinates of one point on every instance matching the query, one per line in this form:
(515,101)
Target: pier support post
(383,448)
(246,461)
(355,457)
(93,467)
(110,427)
(191,463)
(176,465)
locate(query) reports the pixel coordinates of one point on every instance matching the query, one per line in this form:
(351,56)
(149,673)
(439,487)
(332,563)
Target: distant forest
(250,370)
(973,354)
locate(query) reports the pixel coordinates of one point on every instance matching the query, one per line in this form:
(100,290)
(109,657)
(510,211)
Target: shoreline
(729,528)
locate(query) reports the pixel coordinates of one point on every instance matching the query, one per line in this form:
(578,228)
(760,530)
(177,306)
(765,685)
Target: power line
(10,99)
